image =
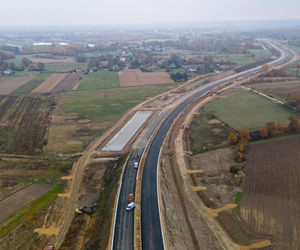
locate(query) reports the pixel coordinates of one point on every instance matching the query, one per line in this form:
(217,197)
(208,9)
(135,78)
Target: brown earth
(271,202)
(9,84)
(16,201)
(51,82)
(24,121)
(134,77)
(69,82)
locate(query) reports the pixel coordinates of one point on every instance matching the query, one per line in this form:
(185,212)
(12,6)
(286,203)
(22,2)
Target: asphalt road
(151,228)
(124,218)
(123,229)
(152,238)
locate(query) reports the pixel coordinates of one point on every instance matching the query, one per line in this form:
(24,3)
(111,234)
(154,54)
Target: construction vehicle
(89,210)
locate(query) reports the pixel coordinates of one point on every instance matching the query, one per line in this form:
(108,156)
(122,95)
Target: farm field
(50,83)
(99,80)
(81,116)
(23,123)
(270,204)
(64,68)
(278,89)
(9,84)
(260,53)
(16,201)
(241,59)
(32,84)
(244,110)
(35,59)
(139,78)
(69,82)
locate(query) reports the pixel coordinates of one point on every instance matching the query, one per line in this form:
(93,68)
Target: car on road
(130,206)
(136,165)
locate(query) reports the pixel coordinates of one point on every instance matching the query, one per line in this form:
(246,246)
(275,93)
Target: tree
(266,68)
(40,66)
(26,62)
(244,134)
(264,133)
(272,129)
(294,125)
(80,59)
(232,138)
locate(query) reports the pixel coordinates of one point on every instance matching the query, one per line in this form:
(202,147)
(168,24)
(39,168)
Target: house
(6,72)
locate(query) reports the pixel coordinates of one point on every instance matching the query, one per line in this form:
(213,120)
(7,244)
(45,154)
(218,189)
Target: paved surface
(123,231)
(18,200)
(119,141)
(151,228)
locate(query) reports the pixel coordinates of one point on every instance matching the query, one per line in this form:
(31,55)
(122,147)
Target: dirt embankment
(186,223)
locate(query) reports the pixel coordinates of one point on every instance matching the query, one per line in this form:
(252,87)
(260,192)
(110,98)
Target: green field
(103,105)
(64,68)
(100,108)
(241,59)
(260,53)
(100,80)
(248,111)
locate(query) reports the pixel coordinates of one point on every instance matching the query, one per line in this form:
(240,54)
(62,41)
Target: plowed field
(48,85)
(68,83)
(23,123)
(9,84)
(134,77)
(271,203)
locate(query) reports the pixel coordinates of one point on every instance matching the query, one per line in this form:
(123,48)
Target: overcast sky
(102,12)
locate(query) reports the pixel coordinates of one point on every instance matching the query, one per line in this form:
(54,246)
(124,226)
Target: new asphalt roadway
(152,238)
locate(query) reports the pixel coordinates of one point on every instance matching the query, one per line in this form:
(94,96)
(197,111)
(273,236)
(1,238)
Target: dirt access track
(16,201)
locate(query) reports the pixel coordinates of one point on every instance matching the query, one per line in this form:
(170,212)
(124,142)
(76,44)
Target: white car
(136,165)
(130,206)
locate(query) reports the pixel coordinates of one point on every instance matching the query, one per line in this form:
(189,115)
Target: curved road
(152,238)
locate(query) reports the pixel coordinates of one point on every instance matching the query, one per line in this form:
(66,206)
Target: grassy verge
(32,208)
(100,80)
